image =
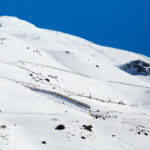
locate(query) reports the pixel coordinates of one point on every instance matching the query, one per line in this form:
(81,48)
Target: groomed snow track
(61,96)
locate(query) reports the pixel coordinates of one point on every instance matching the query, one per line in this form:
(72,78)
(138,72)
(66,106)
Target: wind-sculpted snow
(49,78)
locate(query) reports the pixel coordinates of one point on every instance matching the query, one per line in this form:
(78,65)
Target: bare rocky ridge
(137,67)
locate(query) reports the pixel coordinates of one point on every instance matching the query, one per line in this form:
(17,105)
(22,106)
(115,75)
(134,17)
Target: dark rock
(47,80)
(121,103)
(138,132)
(67,52)
(113,135)
(3,127)
(97,66)
(141,69)
(146,64)
(128,66)
(137,61)
(88,127)
(82,137)
(103,118)
(137,67)
(31,74)
(43,142)
(60,127)
(146,134)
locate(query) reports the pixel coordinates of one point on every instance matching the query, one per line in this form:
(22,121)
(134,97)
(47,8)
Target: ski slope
(43,73)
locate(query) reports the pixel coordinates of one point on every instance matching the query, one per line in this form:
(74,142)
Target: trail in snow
(147,87)
(55,68)
(60,96)
(80,75)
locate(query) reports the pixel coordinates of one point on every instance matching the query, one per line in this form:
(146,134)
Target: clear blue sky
(122,24)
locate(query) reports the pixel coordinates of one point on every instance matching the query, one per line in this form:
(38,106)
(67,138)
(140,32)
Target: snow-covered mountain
(49,78)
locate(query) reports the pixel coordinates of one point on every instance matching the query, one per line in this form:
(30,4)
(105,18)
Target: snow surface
(47,60)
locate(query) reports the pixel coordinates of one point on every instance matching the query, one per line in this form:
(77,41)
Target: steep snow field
(44,73)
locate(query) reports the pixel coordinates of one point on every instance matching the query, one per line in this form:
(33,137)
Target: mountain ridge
(40,70)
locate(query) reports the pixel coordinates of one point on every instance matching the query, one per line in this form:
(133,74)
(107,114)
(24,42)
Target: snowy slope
(43,74)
